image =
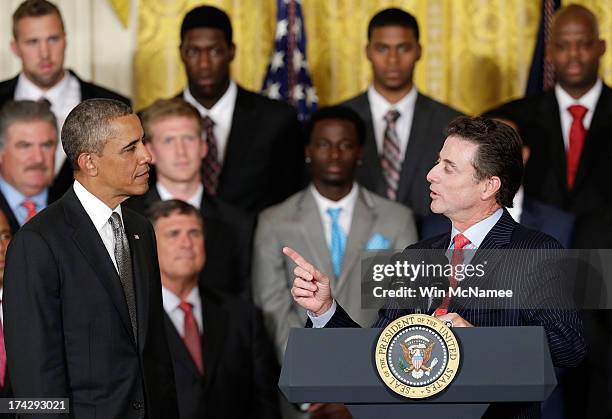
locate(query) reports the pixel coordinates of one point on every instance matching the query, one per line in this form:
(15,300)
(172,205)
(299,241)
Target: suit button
(137,405)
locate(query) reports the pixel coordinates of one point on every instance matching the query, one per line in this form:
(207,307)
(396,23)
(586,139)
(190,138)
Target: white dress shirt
(379,106)
(64,96)
(99,214)
(588,100)
(221,113)
(195,200)
(346,215)
(177,316)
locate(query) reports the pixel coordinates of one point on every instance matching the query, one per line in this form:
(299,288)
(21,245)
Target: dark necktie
(211,167)
(391,160)
(124,265)
(577,136)
(456,259)
(191,335)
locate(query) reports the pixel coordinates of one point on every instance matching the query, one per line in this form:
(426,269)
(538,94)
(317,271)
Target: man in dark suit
(405,129)
(478,172)
(173,136)
(28,138)
(82,298)
(5,238)
(568,128)
(40,42)
(255,156)
(216,341)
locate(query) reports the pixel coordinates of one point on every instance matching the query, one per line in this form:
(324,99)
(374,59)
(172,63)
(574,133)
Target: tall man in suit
(216,341)
(5,238)
(39,42)
(478,172)
(82,298)
(568,128)
(255,154)
(404,128)
(332,221)
(173,136)
(28,139)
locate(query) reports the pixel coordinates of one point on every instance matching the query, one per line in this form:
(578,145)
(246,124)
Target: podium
(498,364)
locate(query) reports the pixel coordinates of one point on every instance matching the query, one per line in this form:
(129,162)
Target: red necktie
(2,354)
(30,206)
(211,168)
(456,259)
(577,136)
(191,335)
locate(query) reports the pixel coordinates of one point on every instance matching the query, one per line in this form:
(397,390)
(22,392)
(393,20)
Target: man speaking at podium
(477,174)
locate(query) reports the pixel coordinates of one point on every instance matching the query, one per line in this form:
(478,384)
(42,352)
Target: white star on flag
(298,60)
(281,29)
(277,60)
(273,91)
(311,96)
(298,92)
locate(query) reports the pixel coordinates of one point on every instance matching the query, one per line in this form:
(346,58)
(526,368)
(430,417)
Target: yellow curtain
(122,10)
(476,52)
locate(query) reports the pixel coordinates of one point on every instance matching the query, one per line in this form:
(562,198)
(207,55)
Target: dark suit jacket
(64,177)
(545,175)
(563,327)
(67,327)
(240,370)
(228,238)
(425,141)
(535,215)
(10,216)
(264,157)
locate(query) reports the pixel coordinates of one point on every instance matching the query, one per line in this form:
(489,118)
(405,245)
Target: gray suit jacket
(425,141)
(297,223)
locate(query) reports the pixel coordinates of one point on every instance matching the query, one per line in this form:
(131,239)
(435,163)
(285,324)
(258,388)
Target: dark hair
(87,127)
(15,111)
(163,209)
(34,8)
(498,154)
(393,17)
(336,112)
(207,17)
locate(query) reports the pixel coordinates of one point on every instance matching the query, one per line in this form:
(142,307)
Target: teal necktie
(338,241)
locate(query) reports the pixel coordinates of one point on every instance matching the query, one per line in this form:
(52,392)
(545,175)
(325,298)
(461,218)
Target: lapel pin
(136,236)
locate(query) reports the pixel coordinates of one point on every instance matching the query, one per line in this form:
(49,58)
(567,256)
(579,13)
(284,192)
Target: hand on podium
(311,288)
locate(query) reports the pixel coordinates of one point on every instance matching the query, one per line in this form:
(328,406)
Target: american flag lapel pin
(136,236)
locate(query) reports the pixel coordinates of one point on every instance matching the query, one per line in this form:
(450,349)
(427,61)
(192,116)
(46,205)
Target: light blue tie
(338,241)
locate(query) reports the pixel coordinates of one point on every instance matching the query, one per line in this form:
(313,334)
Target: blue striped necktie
(338,241)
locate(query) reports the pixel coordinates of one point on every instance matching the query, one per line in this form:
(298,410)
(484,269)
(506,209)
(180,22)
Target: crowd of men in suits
(234,178)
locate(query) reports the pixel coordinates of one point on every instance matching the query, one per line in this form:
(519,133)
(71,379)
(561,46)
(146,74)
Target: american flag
(288,77)
(541,73)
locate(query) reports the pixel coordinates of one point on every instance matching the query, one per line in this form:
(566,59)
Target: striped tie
(391,160)
(211,168)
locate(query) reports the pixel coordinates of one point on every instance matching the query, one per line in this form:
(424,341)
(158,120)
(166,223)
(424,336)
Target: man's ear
(87,164)
(492,185)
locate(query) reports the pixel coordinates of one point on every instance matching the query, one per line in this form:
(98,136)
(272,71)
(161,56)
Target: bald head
(575,49)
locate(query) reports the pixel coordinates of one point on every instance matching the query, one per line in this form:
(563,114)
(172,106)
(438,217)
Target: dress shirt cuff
(319,322)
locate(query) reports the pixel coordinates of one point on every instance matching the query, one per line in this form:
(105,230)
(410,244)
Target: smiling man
(404,128)
(28,138)
(82,279)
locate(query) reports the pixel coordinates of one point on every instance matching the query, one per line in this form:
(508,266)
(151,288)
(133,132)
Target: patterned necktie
(391,160)
(2,354)
(211,167)
(191,335)
(124,265)
(30,206)
(577,136)
(456,259)
(338,241)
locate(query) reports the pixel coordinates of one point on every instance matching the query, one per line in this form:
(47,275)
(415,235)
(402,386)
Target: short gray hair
(24,111)
(87,127)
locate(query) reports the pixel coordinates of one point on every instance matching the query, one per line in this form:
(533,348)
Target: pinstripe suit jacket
(563,327)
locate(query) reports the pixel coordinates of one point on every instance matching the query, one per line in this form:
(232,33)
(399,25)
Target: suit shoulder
(283,210)
(513,109)
(389,208)
(527,238)
(356,100)
(93,91)
(265,104)
(229,302)
(443,109)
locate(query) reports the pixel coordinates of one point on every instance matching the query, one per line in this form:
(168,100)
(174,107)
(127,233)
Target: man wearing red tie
(216,341)
(568,128)
(28,138)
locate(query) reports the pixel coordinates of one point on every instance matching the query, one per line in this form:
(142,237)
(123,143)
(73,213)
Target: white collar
(171,301)
(477,233)
(346,203)
(380,106)
(217,111)
(97,210)
(26,89)
(588,100)
(195,200)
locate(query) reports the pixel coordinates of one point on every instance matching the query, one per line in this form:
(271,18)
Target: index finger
(298,259)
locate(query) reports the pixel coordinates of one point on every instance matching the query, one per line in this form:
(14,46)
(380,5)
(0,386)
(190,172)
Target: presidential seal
(417,356)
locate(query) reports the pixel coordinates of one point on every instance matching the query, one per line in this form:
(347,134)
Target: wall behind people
(99,47)
(478,53)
